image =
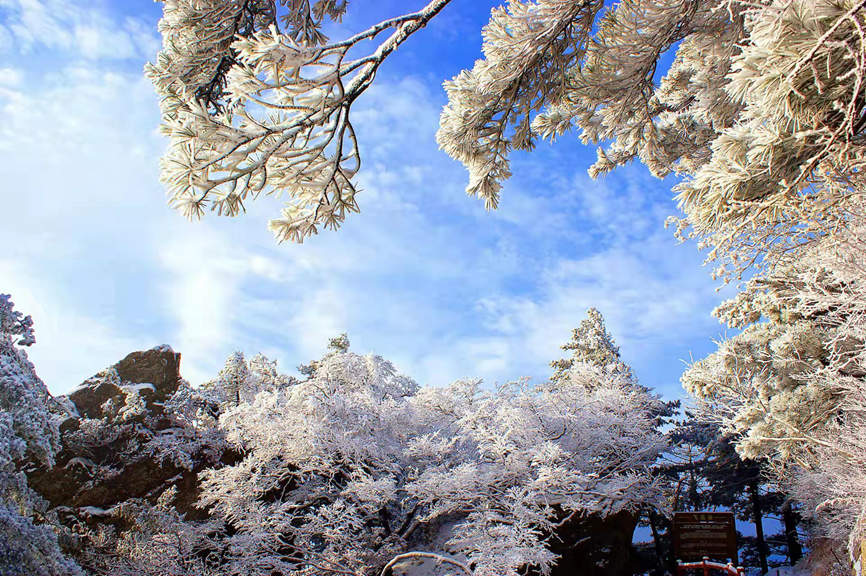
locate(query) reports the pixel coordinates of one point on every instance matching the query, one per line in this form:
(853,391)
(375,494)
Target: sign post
(700,535)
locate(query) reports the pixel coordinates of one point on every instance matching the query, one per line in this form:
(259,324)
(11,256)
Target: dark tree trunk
(660,550)
(789,517)
(759,526)
(693,490)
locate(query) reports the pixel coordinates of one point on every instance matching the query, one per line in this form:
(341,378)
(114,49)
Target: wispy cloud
(10,77)
(79,30)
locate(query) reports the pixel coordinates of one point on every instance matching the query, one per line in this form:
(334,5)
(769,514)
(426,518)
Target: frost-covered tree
(356,470)
(241,379)
(591,343)
(256,99)
(157,541)
(791,387)
(760,112)
(28,435)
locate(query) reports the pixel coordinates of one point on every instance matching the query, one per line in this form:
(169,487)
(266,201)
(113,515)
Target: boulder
(154,374)
(159,367)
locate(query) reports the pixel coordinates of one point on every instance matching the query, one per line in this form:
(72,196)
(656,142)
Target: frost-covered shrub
(156,541)
(241,379)
(28,432)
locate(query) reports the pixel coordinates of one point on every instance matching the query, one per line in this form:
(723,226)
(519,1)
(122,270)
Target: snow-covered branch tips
(256,99)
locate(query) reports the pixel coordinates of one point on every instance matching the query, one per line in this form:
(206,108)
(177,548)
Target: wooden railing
(706,566)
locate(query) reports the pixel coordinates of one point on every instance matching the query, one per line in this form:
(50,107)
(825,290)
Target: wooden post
(706,568)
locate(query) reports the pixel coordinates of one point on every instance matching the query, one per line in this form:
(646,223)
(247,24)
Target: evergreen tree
(591,343)
(704,472)
(240,379)
(736,484)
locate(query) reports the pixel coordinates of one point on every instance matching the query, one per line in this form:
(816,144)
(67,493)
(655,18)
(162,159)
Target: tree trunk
(759,526)
(660,551)
(693,490)
(789,517)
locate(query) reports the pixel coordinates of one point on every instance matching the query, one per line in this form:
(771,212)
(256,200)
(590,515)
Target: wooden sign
(704,534)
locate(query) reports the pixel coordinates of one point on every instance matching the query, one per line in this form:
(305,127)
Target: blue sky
(423,276)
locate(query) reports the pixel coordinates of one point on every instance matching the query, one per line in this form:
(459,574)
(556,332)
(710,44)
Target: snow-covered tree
(241,379)
(256,99)
(791,387)
(760,112)
(157,541)
(591,343)
(357,469)
(28,434)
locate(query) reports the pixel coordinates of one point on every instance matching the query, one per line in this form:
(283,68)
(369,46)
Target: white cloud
(75,190)
(67,342)
(200,291)
(79,30)
(654,295)
(10,77)
(208,295)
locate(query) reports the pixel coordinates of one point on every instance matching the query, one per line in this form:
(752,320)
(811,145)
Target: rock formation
(120,442)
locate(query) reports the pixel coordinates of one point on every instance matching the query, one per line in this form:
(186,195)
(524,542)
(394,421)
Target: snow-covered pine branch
(791,388)
(761,112)
(255,99)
